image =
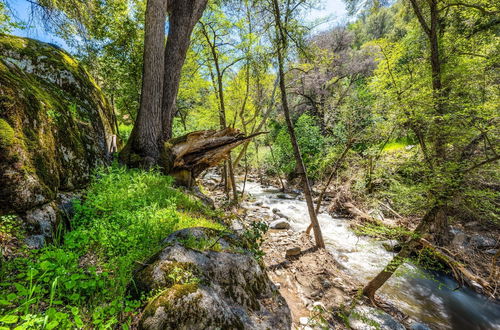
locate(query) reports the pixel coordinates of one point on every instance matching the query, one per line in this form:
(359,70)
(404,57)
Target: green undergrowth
(81,281)
(383,232)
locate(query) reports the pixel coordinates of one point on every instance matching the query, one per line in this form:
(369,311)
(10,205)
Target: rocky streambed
(312,281)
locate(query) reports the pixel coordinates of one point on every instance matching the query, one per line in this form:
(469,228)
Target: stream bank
(351,260)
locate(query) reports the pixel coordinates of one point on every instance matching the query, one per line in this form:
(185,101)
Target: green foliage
(311,143)
(254,237)
(9,225)
(124,131)
(201,244)
(7,23)
(82,281)
(382,232)
(427,259)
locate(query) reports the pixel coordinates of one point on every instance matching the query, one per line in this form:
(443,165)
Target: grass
(397,144)
(81,281)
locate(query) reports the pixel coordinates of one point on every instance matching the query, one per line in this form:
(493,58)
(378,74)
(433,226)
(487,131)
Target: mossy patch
(7,134)
(180,273)
(167,297)
(56,124)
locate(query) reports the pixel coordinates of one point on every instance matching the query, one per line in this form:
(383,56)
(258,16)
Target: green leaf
(9,319)
(78,321)
(52,324)
(21,289)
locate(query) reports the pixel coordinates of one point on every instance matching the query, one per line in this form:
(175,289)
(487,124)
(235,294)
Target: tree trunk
(184,14)
(145,139)
(330,178)
(440,192)
(230,180)
(298,157)
(371,288)
(424,227)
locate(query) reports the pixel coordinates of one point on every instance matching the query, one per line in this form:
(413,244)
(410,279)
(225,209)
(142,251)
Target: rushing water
(429,298)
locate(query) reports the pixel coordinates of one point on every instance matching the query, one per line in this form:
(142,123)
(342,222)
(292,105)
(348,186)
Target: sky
(330,13)
(333,10)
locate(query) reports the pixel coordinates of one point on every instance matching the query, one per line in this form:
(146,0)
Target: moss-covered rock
(207,289)
(55,124)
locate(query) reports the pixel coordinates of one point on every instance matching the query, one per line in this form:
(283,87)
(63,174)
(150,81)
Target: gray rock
(294,251)
(35,241)
(419,326)
(43,219)
(455,231)
(284,196)
(481,242)
(281,223)
(278,213)
(224,290)
(492,251)
(65,204)
(363,318)
(57,155)
(460,239)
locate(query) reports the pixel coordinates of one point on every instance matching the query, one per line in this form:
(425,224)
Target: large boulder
(55,127)
(208,288)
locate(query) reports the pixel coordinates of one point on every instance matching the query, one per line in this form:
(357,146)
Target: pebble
(280,224)
(304,320)
(492,251)
(293,251)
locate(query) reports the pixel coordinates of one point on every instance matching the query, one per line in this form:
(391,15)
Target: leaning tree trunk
(184,14)
(424,228)
(145,139)
(318,236)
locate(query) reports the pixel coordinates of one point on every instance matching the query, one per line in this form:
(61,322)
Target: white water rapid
(427,297)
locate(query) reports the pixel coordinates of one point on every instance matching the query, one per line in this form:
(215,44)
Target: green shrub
(82,281)
(124,131)
(311,143)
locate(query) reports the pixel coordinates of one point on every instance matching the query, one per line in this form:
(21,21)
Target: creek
(428,297)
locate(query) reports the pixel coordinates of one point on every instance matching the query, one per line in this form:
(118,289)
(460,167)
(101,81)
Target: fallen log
(459,271)
(187,156)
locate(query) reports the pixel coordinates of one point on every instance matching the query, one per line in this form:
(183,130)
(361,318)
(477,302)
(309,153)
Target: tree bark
(187,156)
(145,139)
(318,236)
(183,16)
(433,30)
